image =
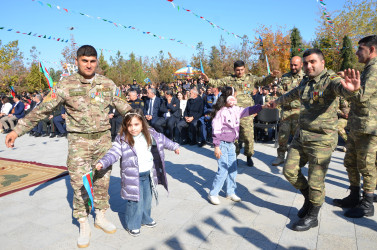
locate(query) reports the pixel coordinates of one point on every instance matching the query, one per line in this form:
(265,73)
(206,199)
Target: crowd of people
(311,101)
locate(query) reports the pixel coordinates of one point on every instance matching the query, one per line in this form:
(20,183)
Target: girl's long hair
(221,101)
(138,114)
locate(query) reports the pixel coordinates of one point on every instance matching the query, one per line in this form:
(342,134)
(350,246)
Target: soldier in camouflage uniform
(343,111)
(244,85)
(86,97)
(362,140)
(290,111)
(317,135)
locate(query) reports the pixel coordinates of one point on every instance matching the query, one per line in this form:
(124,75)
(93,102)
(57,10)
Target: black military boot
(351,200)
(310,220)
(364,208)
(250,162)
(305,208)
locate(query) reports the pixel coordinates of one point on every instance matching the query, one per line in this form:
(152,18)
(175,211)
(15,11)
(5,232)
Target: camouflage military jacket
(86,103)
(288,82)
(271,97)
(363,112)
(318,110)
(243,85)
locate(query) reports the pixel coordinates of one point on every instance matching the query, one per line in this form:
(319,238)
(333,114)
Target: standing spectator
(206,120)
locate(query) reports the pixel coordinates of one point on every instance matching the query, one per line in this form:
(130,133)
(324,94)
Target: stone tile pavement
(41,217)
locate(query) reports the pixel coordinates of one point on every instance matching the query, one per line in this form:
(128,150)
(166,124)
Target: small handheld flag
(201,66)
(13,93)
(88,184)
(268,66)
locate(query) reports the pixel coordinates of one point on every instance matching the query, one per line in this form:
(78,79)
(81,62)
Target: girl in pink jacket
(225,131)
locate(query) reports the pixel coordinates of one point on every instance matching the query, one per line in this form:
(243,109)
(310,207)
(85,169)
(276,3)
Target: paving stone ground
(41,217)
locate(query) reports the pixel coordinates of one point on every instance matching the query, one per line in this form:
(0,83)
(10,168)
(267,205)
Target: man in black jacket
(171,114)
(192,114)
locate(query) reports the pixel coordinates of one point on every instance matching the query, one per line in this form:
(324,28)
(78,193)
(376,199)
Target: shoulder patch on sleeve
(333,77)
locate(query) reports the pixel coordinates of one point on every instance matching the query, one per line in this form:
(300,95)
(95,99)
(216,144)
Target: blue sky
(156,16)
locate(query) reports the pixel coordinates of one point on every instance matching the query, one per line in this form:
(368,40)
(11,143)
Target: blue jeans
(139,212)
(227,170)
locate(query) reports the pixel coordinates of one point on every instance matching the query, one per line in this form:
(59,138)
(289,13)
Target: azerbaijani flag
(88,184)
(44,70)
(13,93)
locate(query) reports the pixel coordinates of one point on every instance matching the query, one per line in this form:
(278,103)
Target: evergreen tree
(347,54)
(296,43)
(215,64)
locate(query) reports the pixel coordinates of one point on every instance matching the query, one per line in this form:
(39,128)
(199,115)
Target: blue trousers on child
(227,170)
(139,212)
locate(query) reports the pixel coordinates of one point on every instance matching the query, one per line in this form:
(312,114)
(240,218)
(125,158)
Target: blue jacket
(19,111)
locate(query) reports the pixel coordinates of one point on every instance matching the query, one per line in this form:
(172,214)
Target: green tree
(35,80)
(296,43)
(347,54)
(103,66)
(55,74)
(215,64)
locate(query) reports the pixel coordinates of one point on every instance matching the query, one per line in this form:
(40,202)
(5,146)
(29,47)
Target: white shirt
(182,105)
(143,152)
(6,108)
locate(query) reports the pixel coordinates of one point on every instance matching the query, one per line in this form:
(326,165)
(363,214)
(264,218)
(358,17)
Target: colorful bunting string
(208,21)
(116,24)
(328,20)
(35,34)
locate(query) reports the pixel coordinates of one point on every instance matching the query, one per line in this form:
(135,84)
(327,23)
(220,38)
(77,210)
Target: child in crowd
(225,130)
(141,149)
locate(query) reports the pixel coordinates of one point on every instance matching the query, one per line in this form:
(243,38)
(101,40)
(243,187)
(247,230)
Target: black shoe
(201,144)
(135,232)
(62,135)
(44,135)
(150,225)
(37,134)
(305,208)
(374,198)
(31,133)
(250,162)
(192,143)
(352,200)
(52,135)
(310,220)
(364,208)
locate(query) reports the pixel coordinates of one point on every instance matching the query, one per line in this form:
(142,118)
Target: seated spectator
(152,107)
(182,102)
(192,114)
(206,121)
(134,101)
(5,109)
(59,123)
(17,112)
(115,122)
(37,131)
(171,114)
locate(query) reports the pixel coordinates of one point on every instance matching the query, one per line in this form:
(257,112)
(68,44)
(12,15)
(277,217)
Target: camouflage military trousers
(318,155)
(287,127)
(83,155)
(342,123)
(246,136)
(361,159)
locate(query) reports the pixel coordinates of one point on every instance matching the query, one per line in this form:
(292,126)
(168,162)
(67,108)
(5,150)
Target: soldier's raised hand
(275,73)
(99,166)
(205,77)
(351,80)
(9,140)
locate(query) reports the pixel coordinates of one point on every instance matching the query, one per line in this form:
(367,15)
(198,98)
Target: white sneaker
(234,197)
(214,199)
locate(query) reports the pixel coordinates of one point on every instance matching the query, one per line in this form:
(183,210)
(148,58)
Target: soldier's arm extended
(370,87)
(39,113)
(292,95)
(218,82)
(338,88)
(263,81)
(119,103)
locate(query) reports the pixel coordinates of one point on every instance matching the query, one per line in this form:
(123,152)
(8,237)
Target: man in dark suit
(191,116)
(17,112)
(152,107)
(171,114)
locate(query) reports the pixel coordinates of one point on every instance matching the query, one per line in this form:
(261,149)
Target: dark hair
(221,101)
(124,134)
(369,41)
(169,92)
(309,52)
(86,50)
(5,99)
(18,97)
(239,63)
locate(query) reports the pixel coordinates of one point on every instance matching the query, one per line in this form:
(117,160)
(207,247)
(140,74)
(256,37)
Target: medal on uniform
(315,96)
(311,101)
(321,100)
